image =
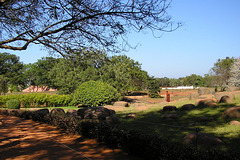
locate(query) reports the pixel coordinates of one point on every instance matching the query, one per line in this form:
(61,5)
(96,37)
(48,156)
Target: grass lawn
(208,120)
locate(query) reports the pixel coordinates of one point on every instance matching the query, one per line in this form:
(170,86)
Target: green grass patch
(207,119)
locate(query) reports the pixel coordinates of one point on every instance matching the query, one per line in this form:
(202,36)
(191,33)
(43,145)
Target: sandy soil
(27,140)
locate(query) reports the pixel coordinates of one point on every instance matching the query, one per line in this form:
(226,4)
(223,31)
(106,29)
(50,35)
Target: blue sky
(211,31)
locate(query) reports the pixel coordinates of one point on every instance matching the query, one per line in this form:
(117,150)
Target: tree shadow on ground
(25,139)
(202,119)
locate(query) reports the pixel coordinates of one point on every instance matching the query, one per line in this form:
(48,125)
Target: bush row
(37,100)
(132,142)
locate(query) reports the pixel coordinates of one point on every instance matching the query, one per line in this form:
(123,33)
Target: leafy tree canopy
(37,73)
(3,85)
(195,80)
(221,69)
(11,68)
(124,74)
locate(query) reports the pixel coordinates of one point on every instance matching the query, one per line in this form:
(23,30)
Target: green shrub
(13,104)
(154,88)
(95,93)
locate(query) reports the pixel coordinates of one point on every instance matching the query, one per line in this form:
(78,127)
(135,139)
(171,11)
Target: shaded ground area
(26,140)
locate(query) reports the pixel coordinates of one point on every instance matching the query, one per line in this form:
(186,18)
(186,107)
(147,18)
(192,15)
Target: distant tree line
(225,72)
(123,73)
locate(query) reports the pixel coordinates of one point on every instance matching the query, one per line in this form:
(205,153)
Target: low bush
(95,93)
(37,100)
(13,104)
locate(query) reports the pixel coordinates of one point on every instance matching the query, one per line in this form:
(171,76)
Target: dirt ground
(27,140)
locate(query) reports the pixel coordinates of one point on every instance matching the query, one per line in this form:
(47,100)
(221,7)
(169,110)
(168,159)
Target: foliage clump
(13,104)
(154,88)
(95,93)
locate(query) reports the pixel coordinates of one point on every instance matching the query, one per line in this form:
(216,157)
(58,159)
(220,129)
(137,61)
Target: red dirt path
(27,140)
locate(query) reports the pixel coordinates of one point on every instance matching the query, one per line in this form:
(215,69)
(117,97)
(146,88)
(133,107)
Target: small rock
(188,107)
(131,116)
(201,138)
(72,112)
(169,108)
(213,104)
(57,111)
(121,103)
(171,116)
(236,123)
(42,112)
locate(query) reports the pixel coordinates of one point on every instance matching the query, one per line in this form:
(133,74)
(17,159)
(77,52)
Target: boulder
(42,112)
(171,116)
(113,119)
(15,112)
(188,107)
(169,108)
(98,115)
(204,90)
(235,123)
(121,104)
(219,95)
(4,111)
(131,116)
(214,104)
(225,99)
(88,116)
(193,96)
(72,112)
(201,138)
(233,112)
(58,111)
(95,113)
(205,102)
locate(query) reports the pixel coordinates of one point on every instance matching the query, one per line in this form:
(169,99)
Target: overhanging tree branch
(63,25)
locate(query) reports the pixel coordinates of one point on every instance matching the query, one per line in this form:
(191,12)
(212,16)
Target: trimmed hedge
(37,100)
(132,142)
